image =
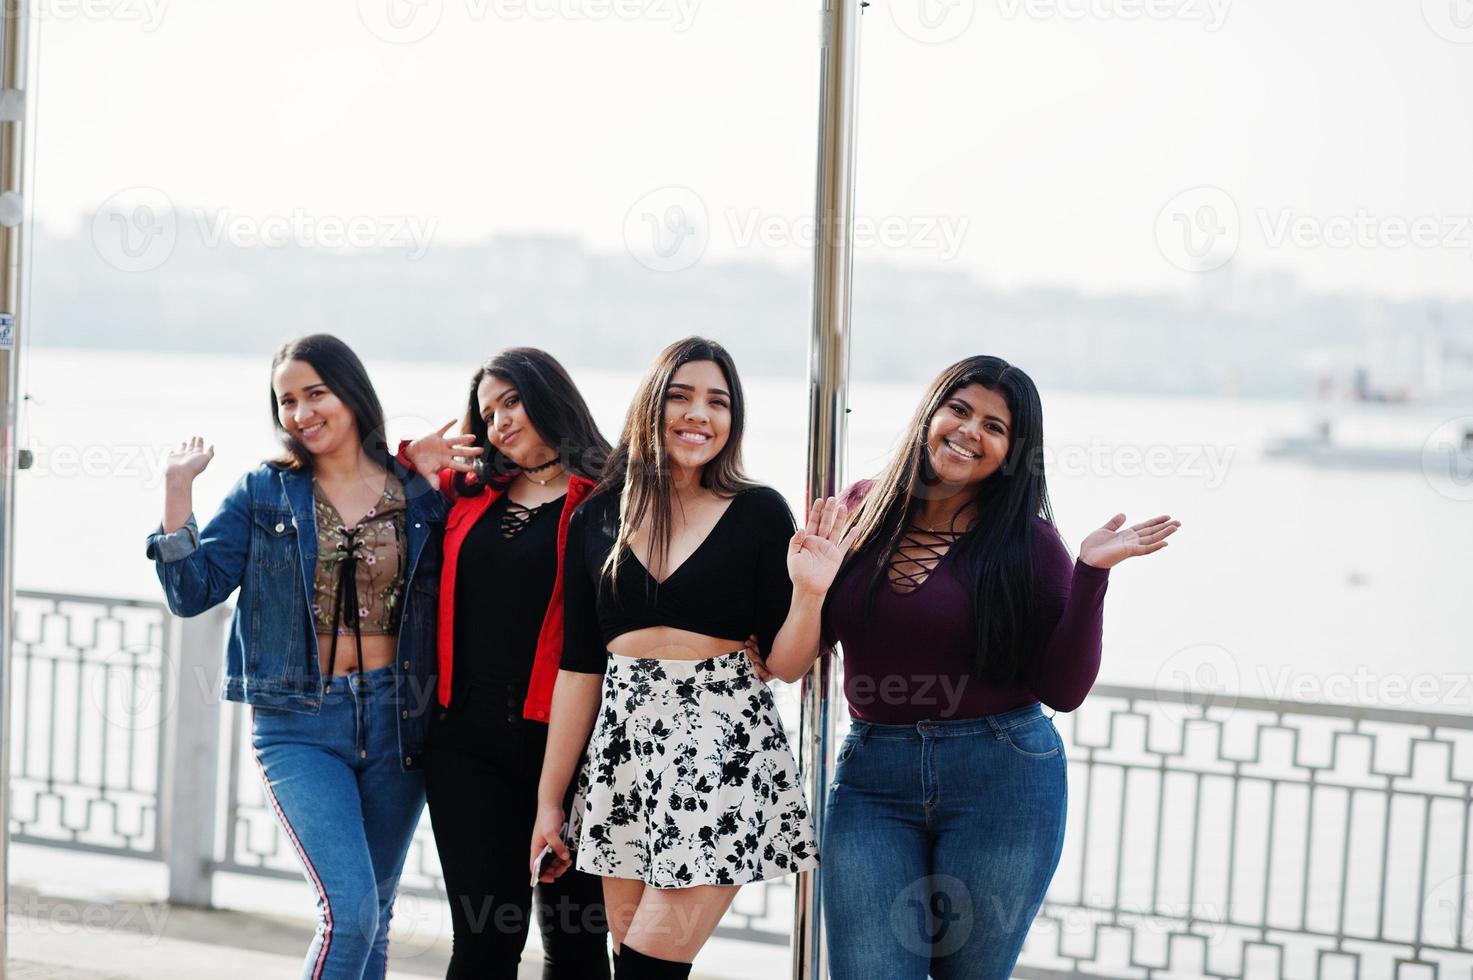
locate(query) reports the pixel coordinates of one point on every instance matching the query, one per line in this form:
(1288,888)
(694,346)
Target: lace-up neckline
(917,556)
(516,517)
(358,583)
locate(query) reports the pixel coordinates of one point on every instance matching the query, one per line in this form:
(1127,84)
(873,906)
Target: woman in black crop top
(701,596)
(688,788)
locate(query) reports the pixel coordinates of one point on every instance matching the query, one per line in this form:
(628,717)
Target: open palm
(188,460)
(436,451)
(1113,543)
(818,548)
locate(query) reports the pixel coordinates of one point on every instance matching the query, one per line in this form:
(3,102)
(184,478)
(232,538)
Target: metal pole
(828,395)
(12,116)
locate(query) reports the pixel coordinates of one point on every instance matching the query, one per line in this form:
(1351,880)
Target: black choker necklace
(536,469)
(539,469)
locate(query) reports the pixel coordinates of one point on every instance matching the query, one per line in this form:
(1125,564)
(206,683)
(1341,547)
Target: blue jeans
(938,845)
(349,809)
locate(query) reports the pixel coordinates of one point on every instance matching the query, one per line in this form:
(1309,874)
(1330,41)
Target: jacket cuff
(176,545)
(403,456)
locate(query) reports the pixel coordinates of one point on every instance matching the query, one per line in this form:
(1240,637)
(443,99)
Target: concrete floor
(54,938)
(51,938)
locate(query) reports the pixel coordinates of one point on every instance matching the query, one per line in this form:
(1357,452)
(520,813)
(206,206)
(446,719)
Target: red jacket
(464,513)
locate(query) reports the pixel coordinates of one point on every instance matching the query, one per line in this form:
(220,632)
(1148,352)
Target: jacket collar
(297,485)
(580,485)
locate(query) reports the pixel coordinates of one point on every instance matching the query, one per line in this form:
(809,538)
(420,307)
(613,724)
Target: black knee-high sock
(634,965)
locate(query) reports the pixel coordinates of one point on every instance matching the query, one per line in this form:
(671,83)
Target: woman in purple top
(958,610)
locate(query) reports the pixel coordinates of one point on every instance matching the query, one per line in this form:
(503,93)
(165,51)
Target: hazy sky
(1038,142)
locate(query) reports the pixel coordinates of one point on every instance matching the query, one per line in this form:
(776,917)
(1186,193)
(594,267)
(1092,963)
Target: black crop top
(733,585)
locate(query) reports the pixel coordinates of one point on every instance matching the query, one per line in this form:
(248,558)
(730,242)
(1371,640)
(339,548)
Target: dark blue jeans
(938,845)
(350,811)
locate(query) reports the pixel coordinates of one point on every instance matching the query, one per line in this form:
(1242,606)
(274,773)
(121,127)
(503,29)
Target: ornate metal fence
(1231,838)
(88,698)
(1240,838)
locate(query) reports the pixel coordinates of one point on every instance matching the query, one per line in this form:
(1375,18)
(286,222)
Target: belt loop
(998,731)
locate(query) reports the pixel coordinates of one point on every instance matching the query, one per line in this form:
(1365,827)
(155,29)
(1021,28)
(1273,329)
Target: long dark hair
(639,471)
(554,406)
(345,376)
(997,552)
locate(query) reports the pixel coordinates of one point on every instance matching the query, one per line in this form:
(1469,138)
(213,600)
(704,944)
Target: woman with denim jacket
(335,548)
(530,454)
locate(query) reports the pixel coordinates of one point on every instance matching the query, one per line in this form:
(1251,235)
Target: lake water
(1284,579)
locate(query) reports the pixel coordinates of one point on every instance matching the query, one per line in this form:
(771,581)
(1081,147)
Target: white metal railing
(1209,834)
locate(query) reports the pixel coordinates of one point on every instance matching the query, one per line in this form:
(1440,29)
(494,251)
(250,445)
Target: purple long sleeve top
(911,659)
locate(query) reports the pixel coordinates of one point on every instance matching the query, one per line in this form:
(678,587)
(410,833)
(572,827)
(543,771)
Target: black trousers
(481,774)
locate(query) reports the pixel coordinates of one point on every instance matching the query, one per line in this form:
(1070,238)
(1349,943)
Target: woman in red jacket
(532,452)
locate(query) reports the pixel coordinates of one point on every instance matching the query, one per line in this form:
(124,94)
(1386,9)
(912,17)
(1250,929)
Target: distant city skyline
(187,288)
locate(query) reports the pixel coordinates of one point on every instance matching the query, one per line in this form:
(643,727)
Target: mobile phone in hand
(545,856)
(539,864)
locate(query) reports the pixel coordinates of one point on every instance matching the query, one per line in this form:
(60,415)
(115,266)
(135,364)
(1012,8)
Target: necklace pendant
(541,483)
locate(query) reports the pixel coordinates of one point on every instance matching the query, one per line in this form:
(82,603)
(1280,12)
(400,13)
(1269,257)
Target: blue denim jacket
(264,542)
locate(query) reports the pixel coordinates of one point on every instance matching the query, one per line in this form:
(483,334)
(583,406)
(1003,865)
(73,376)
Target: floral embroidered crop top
(358,588)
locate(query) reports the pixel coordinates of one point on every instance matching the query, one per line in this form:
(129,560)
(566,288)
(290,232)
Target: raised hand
(181,466)
(1110,545)
(188,460)
(435,452)
(818,548)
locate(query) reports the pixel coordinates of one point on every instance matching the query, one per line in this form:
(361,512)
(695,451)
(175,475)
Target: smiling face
(968,436)
(310,412)
(697,415)
(507,424)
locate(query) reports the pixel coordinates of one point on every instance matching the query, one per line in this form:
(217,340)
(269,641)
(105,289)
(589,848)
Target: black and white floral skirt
(689,779)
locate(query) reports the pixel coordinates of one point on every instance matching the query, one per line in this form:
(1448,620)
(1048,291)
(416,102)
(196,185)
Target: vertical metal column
(12,116)
(828,396)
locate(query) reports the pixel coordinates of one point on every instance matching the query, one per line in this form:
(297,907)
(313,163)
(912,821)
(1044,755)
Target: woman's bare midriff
(378,651)
(668,643)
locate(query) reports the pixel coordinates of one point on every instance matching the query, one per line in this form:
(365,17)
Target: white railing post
(189,783)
